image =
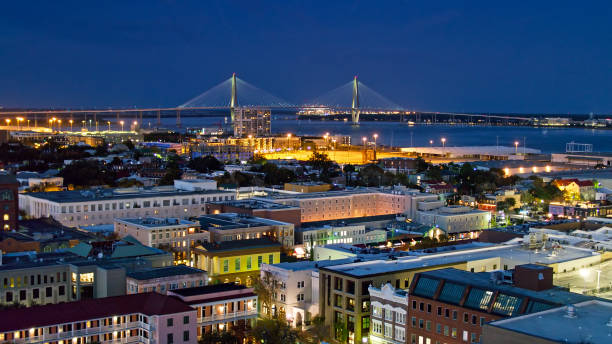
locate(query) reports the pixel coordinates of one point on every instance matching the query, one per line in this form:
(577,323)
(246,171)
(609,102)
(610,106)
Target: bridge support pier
(178,118)
(355,105)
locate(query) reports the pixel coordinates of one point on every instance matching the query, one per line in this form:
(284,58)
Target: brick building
(9,206)
(452,306)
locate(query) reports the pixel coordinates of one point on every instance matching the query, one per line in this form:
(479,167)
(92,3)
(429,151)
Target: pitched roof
(47,315)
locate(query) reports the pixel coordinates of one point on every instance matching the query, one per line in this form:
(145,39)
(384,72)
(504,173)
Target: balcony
(228,316)
(90,332)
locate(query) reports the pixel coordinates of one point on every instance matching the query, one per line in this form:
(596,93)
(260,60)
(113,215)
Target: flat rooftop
(226,221)
(309,265)
(590,324)
(353,221)
(239,245)
(515,252)
(208,289)
(482,280)
(168,271)
(157,222)
(117,194)
(255,204)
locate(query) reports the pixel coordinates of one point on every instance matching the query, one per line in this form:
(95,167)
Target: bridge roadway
(178,110)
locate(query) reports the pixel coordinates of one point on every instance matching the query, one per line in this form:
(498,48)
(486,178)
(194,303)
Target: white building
(341,234)
(102,206)
(455,219)
(195,184)
(389,314)
(297,288)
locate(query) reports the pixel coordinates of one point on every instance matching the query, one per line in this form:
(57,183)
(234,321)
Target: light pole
(288,138)
(516,147)
(135,125)
(19,119)
(8,130)
(108,125)
(28,124)
(71,121)
(121,122)
(51,124)
(59,125)
(375,137)
(364,139)
(430,143)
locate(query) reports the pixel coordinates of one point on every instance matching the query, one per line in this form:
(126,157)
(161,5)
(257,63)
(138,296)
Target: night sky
(489,56)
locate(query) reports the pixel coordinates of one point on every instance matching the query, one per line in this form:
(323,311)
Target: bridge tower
(355,106)
(234,100)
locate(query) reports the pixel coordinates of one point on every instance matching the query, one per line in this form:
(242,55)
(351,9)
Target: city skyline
(443,57)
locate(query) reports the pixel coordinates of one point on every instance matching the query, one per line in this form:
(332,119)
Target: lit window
(6,217)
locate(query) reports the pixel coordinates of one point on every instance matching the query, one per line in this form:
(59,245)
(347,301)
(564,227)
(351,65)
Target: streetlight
(430,143)
(135,125)
(375,137)
(8,129)
(108,125)
(51,124)
(82,124)
(121,122)
(19,119)
(364,139)
(516,147)
(28,124)
(70,121)
(59,124)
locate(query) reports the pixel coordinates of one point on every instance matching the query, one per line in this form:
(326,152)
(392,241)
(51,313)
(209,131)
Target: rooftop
(591,323)
(348,221)
(483,280)
(208,289)
(164,272)
(515,252)
(116,194)
(156,222)
(255,204)
(309,265)
(38,316)
(238,245)
(225,221)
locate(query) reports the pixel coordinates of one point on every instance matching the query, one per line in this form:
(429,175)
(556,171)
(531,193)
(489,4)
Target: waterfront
(548,140)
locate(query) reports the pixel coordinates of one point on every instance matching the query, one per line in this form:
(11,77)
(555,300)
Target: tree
(274,331)
(85,173)
(371,175)
(421,165)
(205,164)
(340,331)
(318,331)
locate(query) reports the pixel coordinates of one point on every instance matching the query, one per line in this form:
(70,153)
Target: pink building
(140,318)
(220,307)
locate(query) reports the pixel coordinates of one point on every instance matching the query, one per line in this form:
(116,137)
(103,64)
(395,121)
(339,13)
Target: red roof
(48,315)
(566,182)
(585,183)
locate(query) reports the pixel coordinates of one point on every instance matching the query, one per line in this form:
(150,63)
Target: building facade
(9,206)
(236,261)
(102,206)
(140,318)
(258,208)
(347,234)
(455,219)
(389,314)
(251,122)
(170,234)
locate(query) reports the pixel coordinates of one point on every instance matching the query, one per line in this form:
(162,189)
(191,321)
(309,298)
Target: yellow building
(307,187)
(236,261)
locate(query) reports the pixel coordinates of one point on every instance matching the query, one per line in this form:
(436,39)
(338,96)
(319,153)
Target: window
(421,306)
(376,311)
(35,293)
(225,265)
(170,338)
(237,264)
(440,311)
(428,325)
(474,337)
(466,317)
(365,325)
(413,321)
(271,259)
(474,320)
(376,327)
(249,264)
(49,292)
(421,322)
(428,308)
(454,315)
(388,315)
(186,319)
(22,295)
(454,333)
(482,321)
(388,332)
(446,330)
(169,322)
(414,304)
(438,328)
(300,297)
(400,318)
(185,336)
(338,300)
(400,334)
(465,336)
(259,261)
(300,284)
(61,290)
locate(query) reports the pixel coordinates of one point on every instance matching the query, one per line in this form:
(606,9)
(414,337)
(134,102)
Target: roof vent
(570,311)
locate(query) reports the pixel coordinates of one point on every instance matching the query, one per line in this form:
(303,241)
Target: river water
(548,140)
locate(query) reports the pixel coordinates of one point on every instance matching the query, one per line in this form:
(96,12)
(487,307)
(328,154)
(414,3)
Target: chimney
(533,277)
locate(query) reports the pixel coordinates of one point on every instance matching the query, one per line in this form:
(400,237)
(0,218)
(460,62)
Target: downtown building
(79,208)
(175,235)
(140,318)
(251,122)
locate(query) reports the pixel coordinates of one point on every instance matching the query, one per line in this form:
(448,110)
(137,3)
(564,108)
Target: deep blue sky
(535,56)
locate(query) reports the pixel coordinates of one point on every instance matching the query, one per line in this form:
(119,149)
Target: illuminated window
(86,278)
(6,217)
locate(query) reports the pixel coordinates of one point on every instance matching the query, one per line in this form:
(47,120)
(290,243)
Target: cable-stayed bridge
(353,97)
